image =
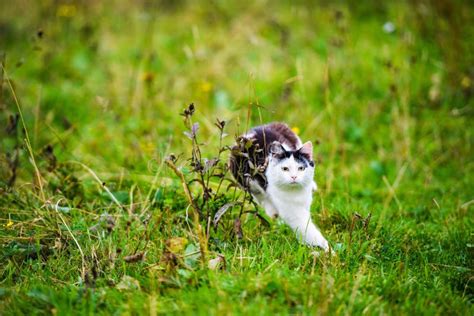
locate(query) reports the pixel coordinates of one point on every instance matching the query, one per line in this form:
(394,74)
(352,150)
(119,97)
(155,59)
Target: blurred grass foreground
(93,220)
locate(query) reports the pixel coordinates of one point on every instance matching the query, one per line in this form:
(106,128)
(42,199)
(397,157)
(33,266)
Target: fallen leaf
(176,244)
(192,255)
(134,258)
(128,283)
(222,211)
(218,263)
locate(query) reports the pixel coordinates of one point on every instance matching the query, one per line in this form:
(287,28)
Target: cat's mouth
(293,185)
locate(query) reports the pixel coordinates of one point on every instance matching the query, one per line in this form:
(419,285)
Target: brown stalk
(195,214)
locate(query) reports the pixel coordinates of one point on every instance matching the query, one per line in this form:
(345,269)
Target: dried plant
(209,200)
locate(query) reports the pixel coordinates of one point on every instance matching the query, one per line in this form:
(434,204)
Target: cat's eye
(285,169)
(301,168)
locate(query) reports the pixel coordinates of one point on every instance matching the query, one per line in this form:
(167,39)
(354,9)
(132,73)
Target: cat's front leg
(314,237)
(314,186)
(270,209)
(255,188)
(309,233)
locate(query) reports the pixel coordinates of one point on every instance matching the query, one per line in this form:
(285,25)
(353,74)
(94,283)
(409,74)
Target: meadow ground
(94,220)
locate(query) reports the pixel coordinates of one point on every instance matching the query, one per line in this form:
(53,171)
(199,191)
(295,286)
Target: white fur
(289,196)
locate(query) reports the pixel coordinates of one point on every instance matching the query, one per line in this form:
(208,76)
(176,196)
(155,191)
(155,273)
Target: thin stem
(27,139)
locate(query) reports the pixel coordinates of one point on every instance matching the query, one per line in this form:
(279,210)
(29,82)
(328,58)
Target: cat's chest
(290,198)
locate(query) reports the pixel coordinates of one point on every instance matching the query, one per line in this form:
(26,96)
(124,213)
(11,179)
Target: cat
(272,164)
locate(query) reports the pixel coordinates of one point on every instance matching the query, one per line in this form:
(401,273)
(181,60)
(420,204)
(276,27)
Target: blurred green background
(384,90)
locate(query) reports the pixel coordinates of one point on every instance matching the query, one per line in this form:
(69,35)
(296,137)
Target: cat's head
(290,169)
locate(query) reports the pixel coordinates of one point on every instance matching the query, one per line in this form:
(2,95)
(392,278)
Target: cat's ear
(276,148)
(307,150)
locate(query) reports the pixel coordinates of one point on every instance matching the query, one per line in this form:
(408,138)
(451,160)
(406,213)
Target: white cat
(277,169)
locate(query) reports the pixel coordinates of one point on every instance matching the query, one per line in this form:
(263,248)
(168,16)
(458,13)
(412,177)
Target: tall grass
(94,220)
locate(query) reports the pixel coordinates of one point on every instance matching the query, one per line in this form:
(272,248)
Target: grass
(95,222)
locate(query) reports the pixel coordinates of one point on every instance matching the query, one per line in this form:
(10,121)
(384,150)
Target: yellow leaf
(66,10)
(176,244)
(206,86)
(466,82)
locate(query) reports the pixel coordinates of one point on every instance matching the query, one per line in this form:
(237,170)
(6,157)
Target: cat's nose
(293,177)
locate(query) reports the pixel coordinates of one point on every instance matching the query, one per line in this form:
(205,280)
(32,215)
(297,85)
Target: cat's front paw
(272,213)
(318,242)
(324,245)
(270,210)
(320,252)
